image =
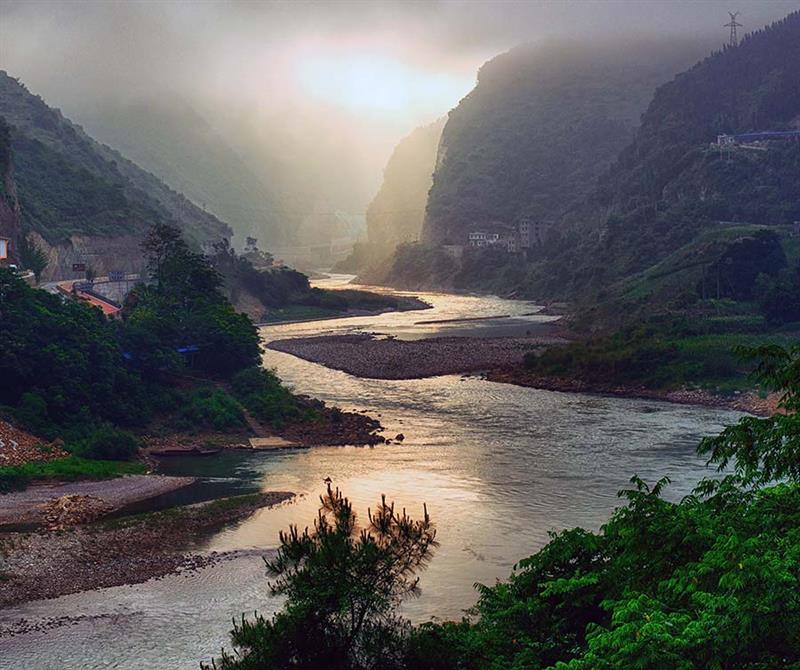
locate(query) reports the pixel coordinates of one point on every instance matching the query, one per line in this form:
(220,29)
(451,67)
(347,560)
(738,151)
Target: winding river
(499,466)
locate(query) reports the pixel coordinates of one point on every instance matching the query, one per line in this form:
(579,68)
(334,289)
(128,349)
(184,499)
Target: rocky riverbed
(365,355)
(128,550)
(31,505)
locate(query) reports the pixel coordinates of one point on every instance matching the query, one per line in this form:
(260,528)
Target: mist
(313,96)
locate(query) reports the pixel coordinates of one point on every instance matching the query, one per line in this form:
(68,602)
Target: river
(499,466)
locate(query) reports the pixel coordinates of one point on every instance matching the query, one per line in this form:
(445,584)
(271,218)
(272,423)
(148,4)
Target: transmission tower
(733,25)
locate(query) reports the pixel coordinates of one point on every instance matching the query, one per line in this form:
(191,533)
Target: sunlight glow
(376,83)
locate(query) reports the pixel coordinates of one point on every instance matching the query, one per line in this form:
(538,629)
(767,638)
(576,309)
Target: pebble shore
(365,355)
(114,552)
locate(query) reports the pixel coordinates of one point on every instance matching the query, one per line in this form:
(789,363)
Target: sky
(358,74)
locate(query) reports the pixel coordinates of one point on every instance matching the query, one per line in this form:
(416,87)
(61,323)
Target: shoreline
(30,506)
(117,552)
(413,304)
(749,402)
(494,359)
(364,355)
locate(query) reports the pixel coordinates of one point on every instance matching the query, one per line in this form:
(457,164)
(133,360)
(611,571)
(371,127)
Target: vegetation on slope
(670,186)
(170,139)
(711,581)
(541,125)
(55,161)
(70,373)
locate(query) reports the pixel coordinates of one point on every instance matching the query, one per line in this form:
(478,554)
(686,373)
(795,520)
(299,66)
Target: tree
(343,585)
(33,257)
(182,315)
(765,450)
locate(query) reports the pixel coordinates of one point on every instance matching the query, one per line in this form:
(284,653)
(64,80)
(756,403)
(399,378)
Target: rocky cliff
(397,211)
(543,122)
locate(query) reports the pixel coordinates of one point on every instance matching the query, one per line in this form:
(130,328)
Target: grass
(658,361)
(206,510)
(17,477)
(299,313)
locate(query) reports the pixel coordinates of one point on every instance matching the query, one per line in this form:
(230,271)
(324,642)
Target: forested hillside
(69,184)
(174,142)
(543,122)
(670,183)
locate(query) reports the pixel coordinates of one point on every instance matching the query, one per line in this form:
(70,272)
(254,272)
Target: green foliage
(779,296)
(207,408)
(17,477)
(274,287)
(184,308)
(263,394)
(59,198)
(343,585)
(106,443)
(541,125)
(768,449)
(69,184)
(33,258)
(61,364)
(662,354)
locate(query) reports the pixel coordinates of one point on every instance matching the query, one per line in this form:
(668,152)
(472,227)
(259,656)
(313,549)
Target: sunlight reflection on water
(498,465)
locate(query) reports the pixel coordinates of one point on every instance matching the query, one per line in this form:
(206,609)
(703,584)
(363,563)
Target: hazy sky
(368,71)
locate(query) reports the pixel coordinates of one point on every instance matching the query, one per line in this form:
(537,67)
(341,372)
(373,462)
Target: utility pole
(733,25)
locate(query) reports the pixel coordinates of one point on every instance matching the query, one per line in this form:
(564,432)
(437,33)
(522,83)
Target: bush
(209,408)
(107,443)
(263,394)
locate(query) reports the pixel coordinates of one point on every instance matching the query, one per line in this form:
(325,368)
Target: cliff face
(397,212)
(542,123)
(10,226)
(68,184)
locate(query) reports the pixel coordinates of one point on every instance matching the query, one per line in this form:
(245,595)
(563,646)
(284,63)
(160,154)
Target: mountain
(10,226)
(170,139)
(673,182)
(396,213)
(71,186)
(542,123)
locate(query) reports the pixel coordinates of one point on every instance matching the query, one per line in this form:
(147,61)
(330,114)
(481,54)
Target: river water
(499,467)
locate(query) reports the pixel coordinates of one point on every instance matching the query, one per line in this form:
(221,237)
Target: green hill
(543,122)
(69,184)
(170,139)
(670,184)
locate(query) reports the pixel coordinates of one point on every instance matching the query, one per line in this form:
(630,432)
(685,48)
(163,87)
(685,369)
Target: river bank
(365,355)
(309,313)
(750,401)
(30,507)
(115,552)
(498,359)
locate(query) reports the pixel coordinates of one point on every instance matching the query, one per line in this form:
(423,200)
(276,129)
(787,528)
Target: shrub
(265,396)
(209,408)
(107,443)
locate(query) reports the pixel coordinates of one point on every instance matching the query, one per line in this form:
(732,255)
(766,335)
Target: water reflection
(498,465)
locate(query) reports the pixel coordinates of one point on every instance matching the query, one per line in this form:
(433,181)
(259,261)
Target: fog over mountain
(312,97)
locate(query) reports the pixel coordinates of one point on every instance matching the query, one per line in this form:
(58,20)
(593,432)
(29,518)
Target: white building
(479,238)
